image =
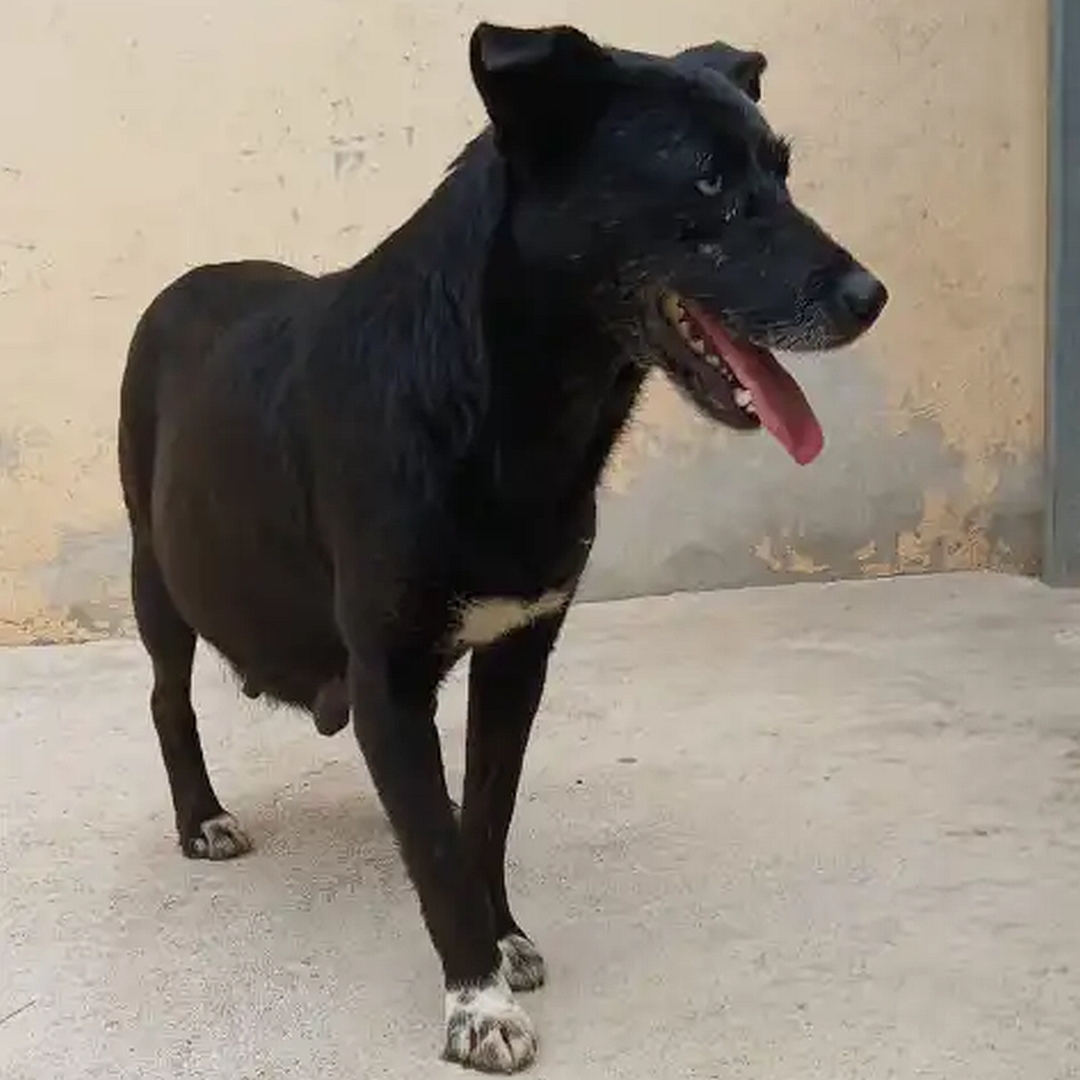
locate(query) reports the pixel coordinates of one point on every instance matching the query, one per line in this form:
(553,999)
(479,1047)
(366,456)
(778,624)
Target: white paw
(487,1030)
(522,963)
(220,838)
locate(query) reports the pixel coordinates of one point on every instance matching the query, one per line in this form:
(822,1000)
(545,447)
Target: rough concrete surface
(810,831)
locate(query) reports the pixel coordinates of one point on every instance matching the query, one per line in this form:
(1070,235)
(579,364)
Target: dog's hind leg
(506,681)
(206,831)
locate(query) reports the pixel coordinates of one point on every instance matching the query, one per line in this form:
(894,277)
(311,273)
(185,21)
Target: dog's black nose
(862,296)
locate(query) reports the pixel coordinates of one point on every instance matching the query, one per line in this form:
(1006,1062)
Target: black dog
(345,483)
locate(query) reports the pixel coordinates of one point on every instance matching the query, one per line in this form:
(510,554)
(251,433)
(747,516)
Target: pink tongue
(778,398)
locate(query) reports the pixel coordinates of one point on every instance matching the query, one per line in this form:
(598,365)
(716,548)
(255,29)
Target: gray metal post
(1061,559)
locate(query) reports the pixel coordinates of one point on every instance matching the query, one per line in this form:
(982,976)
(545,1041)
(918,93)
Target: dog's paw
(487,1030)
(217,838)
(522,963)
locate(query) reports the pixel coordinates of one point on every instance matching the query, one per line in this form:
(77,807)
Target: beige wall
(138,137)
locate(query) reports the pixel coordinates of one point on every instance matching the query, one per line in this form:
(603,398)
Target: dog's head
(658,183)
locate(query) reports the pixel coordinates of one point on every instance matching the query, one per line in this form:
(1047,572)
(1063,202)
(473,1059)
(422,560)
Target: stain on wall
(724,509)
(163,135)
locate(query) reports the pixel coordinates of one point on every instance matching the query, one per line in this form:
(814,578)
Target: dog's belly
(278,648)
(266,609)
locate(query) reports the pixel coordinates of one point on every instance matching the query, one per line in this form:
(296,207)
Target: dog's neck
(524,389)
(561,388)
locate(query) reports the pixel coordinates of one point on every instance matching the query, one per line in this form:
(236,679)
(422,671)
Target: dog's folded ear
(743,68)
(540,86)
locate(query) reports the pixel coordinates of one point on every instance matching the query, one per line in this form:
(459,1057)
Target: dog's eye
(711,186)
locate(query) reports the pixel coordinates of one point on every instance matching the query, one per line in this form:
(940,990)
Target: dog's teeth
(673,309)
(698,346)
(743,398)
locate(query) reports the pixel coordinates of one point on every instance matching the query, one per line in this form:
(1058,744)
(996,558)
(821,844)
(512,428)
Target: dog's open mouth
(743,384)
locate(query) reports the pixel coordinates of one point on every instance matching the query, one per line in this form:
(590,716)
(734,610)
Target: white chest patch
(486,619)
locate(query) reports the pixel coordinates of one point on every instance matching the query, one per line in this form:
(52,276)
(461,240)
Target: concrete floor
(812,831)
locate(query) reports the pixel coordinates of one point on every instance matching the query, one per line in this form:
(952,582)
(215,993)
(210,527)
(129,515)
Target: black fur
(321,473)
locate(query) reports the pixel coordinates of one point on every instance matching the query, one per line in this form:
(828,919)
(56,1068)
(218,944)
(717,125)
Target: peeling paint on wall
(736,511)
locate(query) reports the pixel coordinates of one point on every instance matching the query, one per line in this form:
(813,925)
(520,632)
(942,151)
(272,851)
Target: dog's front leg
(393,702)
(506,682)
